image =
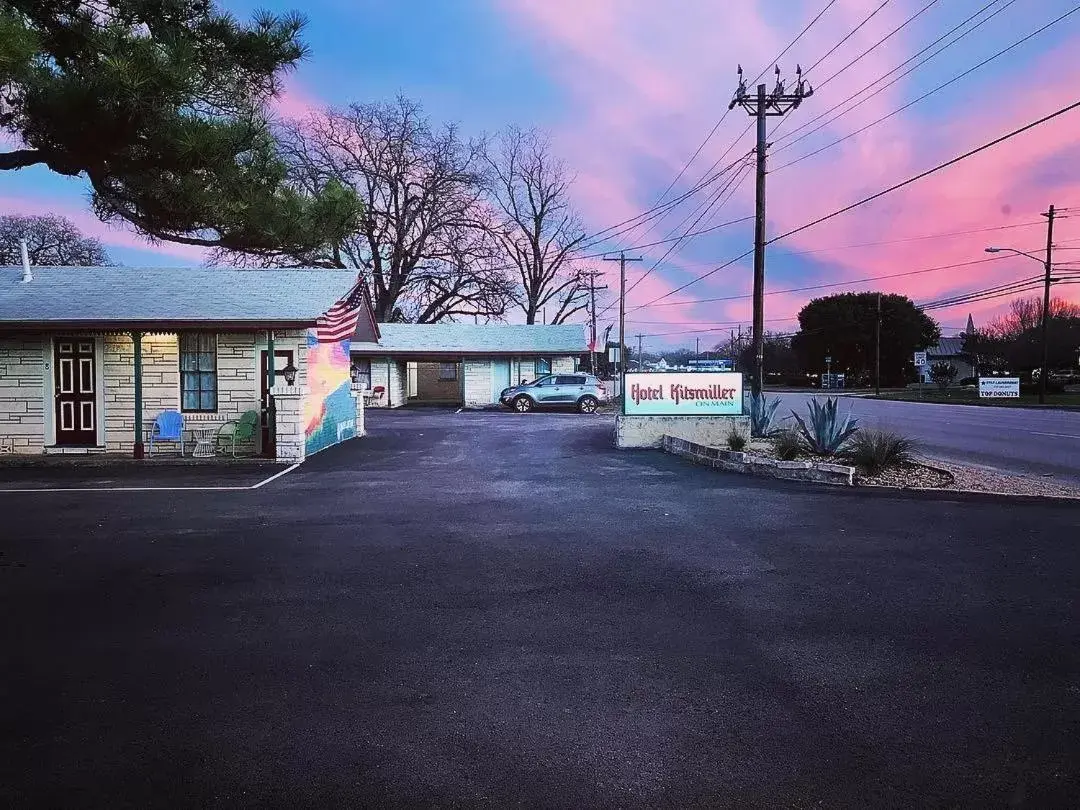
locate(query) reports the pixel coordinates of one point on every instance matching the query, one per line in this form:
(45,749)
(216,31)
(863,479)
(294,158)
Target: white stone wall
(290,443)
(649,431)
(160,379)
(392,375)
(562,365)
(22,370)
(477,375)
(358,400)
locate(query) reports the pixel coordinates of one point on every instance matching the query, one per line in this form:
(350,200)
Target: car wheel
(587,404)
(522,404)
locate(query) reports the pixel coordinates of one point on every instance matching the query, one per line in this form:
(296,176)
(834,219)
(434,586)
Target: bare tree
(423,242)
(537,227)
(50,241)
(1025,314)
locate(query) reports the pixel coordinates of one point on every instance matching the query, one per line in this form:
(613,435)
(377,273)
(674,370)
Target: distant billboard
(685,393)
(709,365)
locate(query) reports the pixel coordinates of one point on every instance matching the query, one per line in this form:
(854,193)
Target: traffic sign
(920,359)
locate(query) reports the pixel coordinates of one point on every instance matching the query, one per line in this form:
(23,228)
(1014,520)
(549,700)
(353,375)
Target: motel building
(91,357)
(466,365)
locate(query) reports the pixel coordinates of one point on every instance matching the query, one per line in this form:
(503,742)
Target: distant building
(950,350)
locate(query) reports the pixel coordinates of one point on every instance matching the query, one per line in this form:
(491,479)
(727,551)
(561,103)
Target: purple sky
(630,88)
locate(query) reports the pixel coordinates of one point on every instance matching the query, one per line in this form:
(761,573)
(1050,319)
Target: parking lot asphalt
(486,609)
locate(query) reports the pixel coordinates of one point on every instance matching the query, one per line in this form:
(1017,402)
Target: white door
(500,378)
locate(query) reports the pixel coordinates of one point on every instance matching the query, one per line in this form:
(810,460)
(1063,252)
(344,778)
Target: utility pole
(877,350)
(639,350)
(762,105)
(1046,304)
(622,260)
(697,348)
(592,308)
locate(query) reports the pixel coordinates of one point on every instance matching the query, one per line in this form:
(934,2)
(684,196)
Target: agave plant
(762,410)
(826,435)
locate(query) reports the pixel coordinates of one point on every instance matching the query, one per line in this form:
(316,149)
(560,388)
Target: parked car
(581,391)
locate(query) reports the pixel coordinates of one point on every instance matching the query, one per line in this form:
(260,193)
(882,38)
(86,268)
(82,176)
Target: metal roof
(158,295)
(473,339)
(947,347)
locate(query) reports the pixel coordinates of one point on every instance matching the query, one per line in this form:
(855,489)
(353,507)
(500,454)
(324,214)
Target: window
(198,372)
(360,372)
(447,372)
(561,380)
(543,365)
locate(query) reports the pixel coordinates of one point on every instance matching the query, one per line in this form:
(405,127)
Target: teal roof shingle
(91,295)
(475,339)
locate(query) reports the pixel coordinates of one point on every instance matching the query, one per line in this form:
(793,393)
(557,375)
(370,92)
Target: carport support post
(136,342)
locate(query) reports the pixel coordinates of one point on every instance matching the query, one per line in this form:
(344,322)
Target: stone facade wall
(477,383)
(22,371)
(25,414)
(392,375)
(430,387)
(562,365)
(649,431)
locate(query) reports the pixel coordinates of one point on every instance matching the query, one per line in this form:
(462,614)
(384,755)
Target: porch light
(289,373)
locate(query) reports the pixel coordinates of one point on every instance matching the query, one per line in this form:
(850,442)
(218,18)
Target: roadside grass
(960,397)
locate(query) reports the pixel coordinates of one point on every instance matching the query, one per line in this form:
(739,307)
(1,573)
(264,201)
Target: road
(1025,440)
(493,610)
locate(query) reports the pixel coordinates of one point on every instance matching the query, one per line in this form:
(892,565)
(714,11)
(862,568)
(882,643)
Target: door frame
(266,440)
(48,388)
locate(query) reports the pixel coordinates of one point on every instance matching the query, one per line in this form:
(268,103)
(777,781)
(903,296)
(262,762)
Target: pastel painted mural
(329,412)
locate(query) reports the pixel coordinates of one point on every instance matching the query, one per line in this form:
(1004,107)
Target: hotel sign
(693,393)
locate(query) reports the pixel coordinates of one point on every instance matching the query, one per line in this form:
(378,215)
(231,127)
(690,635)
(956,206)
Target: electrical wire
(888,73)
(849,35)
(911,103)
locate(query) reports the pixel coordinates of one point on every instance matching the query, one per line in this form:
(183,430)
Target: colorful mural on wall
(329,411)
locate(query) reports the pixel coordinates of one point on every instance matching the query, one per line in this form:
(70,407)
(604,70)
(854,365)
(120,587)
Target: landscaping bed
(828,449)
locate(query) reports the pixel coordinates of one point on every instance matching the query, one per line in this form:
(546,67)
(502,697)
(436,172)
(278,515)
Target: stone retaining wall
(732,461)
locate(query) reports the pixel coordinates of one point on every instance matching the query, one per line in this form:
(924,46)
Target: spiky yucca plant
(826,435)
(762,410)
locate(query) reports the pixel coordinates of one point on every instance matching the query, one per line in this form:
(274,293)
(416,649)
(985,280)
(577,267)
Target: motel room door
(76,398)
(500,378)
(282,358)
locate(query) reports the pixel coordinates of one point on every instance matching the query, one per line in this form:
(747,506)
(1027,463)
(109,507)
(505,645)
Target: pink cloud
(646,80)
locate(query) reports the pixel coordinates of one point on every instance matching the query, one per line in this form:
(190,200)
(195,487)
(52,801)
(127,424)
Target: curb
(735,461)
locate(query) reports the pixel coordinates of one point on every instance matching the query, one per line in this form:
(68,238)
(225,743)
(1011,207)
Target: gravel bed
(933,474)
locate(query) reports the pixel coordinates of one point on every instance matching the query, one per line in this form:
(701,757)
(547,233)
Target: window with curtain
(543,365)
(198,372)
(447,372)
(361,373)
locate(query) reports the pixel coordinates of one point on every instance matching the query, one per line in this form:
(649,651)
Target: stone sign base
(649,431)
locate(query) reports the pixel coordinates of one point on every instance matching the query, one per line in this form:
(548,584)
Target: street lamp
(1046,299)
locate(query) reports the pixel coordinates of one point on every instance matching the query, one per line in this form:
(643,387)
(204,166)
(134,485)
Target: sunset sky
(628,89)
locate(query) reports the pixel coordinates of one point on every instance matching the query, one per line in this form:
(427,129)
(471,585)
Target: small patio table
(204,441)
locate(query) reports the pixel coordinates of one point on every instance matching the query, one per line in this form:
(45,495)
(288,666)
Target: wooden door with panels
(76,392)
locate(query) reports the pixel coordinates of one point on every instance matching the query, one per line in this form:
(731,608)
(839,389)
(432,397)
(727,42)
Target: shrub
(875,450)
(736,440)
(787,443)
(943,374)
(762,410)
(826,435)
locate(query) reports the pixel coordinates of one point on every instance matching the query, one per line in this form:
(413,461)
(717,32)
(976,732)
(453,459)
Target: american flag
(339,322)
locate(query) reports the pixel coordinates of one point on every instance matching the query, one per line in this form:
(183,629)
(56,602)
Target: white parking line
(1058,435)
(265,481)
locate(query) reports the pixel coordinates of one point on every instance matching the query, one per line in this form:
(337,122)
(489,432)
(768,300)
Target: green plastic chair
(239,430)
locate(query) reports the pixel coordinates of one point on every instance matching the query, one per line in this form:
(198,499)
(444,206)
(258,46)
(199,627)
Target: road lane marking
(1059,435)
(265,481)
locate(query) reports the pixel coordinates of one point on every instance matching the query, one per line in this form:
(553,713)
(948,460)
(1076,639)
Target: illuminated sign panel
(692,393)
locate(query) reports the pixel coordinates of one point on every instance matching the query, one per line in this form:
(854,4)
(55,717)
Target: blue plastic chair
(168,427)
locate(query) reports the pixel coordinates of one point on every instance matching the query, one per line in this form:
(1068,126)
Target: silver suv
(578,390)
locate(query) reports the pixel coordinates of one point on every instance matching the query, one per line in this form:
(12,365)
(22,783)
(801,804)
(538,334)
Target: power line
(880,42)
(846,283)
(888,73)
(926,95)
(928,172)
(912,239)
(849,35)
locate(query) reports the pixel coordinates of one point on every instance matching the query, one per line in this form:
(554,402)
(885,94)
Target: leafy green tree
(943,374)
(50,240)
(162,106)
(842,327)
